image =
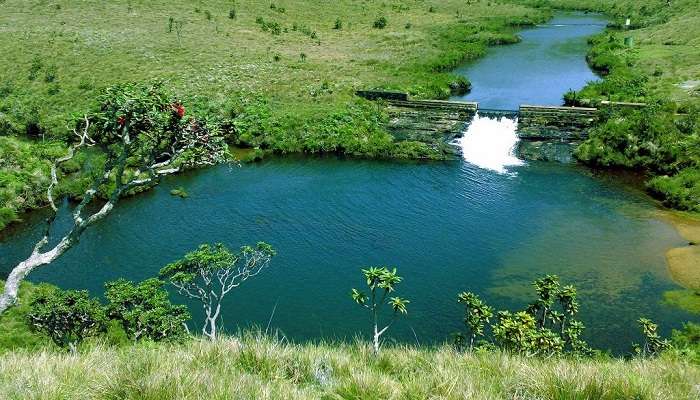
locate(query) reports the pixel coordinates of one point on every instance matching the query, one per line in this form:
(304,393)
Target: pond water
(447,227)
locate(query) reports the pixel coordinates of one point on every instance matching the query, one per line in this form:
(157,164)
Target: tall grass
(262,368)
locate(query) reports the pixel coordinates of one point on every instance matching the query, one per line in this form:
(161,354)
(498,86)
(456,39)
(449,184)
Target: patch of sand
(684,262)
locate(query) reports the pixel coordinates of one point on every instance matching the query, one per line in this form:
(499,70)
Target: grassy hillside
(281,74)
(303,56)
(262,368)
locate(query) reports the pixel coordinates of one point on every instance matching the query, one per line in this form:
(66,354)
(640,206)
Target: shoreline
(683,262)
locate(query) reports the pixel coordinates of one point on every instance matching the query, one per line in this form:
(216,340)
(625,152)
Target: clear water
(539,70)
(490,224)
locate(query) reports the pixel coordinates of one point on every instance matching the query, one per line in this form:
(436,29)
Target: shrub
(67,317)
(338,24)
(144,310)
(380,23)
(232,13)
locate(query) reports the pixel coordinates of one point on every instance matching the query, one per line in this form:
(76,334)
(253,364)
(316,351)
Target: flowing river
(490,223)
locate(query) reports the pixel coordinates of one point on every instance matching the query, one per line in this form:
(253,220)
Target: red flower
(121,120)
(179,110)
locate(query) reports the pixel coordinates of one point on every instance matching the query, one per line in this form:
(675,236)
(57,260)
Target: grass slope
(56,55)
(283,74)
(261,368)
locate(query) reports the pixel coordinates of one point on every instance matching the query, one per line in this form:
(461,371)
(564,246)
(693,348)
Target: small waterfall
(489,143)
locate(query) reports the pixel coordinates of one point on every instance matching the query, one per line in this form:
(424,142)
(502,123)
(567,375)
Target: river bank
(684,263)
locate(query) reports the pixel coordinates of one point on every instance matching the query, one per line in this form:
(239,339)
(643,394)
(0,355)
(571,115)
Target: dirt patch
(684,262)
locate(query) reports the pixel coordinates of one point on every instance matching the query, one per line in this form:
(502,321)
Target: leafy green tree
(476,315)
(144,134)
(66,316)
(209,273)
(145,311)
(653,343)
(547,289)
(381,281)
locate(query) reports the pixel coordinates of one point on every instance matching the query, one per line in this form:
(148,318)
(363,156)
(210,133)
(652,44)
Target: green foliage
(547,327)
(680,191)
(380,23)
(15,333)
(381,281)
(156,122)
(653,344)
(209,273)
(656,140)
(144,310)
(24,175)
(338,24)
(476,315)
(67,317)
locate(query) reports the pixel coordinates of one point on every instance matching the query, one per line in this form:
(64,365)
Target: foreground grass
(261,368)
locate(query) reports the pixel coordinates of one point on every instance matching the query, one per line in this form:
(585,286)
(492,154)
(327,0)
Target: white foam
(489,143)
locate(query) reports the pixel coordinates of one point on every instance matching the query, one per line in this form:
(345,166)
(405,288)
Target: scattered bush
(380,23)
(338,24)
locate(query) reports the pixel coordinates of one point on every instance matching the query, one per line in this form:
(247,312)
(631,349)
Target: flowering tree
(144,133)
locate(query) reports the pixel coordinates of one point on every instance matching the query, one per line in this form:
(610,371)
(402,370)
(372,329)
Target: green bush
(380,23)
(680,191)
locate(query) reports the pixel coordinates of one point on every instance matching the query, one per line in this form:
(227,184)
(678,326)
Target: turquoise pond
(447,227)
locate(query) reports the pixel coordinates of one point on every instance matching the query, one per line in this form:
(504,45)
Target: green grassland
(282,74)
(258,367)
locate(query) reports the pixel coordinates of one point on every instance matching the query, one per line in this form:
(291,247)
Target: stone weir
(547,132)
(555,123)
(423,120)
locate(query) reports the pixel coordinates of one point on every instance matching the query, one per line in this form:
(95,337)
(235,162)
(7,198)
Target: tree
(476,315)
(66,316)
(145,311)
(209,273)
(144,134)
(381,282)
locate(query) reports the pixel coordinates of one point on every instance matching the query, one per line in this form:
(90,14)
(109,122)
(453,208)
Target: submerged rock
(546,150)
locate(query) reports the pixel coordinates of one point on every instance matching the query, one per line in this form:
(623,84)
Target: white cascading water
(489,143)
